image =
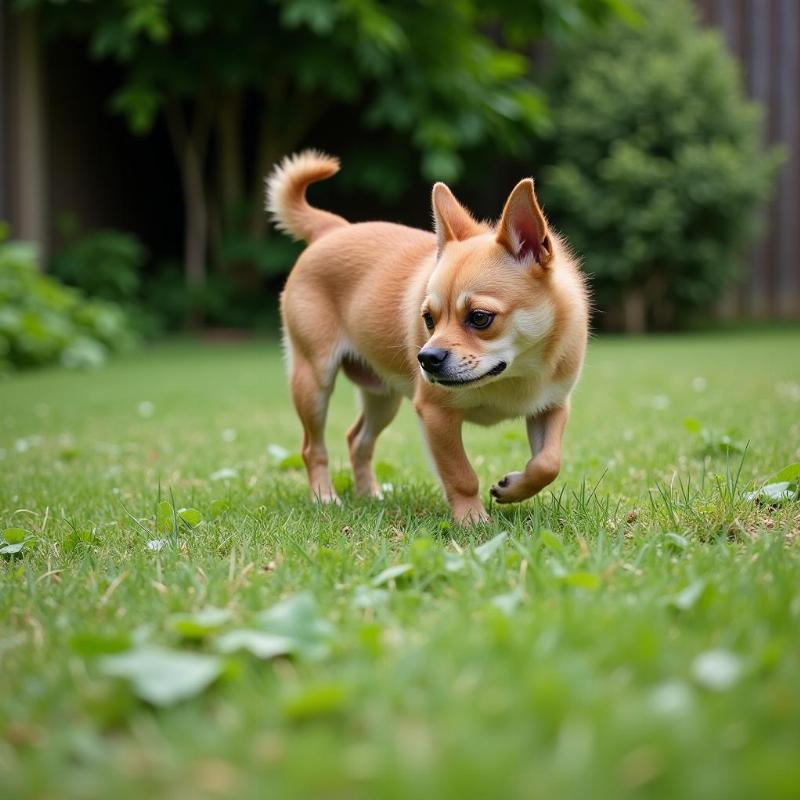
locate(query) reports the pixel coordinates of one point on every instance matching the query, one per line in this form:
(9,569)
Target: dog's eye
(480,319)
(428,320)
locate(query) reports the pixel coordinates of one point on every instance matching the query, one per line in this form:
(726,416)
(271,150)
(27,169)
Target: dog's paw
(326,497)
(467,515)
(511,489)
(369,490)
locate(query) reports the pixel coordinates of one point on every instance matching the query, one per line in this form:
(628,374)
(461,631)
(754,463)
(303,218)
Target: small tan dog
(475,323)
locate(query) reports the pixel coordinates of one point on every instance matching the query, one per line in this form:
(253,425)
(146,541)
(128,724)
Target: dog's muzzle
(433,359)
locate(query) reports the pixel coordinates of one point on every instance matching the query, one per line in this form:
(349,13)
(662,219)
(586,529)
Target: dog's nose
(432,358)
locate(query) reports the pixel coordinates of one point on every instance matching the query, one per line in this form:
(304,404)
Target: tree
(657,172)
(440,74)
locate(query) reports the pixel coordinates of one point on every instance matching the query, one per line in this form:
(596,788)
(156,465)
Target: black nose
(433,358)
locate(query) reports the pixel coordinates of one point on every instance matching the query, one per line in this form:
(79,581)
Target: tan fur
(355,301)
(286,195)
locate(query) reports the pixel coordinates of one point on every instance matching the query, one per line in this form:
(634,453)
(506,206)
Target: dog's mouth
(495,370)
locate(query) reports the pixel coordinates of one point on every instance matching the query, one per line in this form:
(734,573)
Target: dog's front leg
(442,428)
(545,432)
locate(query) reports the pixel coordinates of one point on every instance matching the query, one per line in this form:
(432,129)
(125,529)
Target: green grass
(582,680)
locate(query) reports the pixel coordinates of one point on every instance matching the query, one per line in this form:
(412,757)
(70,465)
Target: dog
(473,322)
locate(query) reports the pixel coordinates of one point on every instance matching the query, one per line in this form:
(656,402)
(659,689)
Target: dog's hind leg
(377,411)
(311,390)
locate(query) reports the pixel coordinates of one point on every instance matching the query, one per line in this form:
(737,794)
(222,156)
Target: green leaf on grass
(201,623)
(15,535)
(16,539)
(89,643)
(676,542)
(790,473)
(485,551)
(260,644)
(551,541)
(165,519)
(296,619)
(191,516)
(218,507)
(385,471)
(390,573)
(689,597)
(582,580)
(320,700)
(163,677)
(342,481)
(294,461)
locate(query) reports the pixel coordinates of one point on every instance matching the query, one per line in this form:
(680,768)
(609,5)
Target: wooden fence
(765,37)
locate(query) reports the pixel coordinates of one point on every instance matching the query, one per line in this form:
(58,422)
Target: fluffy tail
(286,195)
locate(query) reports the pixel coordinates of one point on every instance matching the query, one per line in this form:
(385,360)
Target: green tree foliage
(440,75)
(657,172)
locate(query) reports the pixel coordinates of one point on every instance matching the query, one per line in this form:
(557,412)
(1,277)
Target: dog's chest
(511,399)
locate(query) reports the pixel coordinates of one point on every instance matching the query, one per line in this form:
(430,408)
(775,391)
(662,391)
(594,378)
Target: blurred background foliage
(655,166)
(43,322)
(633,120)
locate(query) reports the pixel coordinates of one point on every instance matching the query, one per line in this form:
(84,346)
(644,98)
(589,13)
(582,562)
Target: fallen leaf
(201,623)
(163,677)
(390,573)
(296,619)
(508,602)
(689,597)
(774,494)
(260,644)
(485,551)
(717,670)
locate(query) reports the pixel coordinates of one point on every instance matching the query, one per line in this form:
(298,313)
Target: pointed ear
(523,229)
(451,221)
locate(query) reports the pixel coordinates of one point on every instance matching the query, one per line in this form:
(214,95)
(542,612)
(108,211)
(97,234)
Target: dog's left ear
(523,229)
(451,221)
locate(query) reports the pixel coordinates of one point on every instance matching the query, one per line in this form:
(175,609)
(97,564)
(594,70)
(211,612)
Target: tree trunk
(196,225)
(190,142)
(634,311)
(230,145)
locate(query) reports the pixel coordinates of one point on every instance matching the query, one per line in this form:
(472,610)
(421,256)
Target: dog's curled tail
(286,195)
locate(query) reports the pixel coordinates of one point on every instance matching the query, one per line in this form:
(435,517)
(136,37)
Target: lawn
(635,631)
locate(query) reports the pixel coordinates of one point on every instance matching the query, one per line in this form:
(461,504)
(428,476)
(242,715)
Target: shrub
(105,264)
(43,322)
(656,171)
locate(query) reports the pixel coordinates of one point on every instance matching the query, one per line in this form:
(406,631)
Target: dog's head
(490,298)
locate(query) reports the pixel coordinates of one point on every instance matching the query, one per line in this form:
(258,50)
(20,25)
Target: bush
(43,322)
(105,264)
(656,173)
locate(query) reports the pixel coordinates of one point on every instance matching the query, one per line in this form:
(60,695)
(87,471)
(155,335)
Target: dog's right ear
(451,221)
